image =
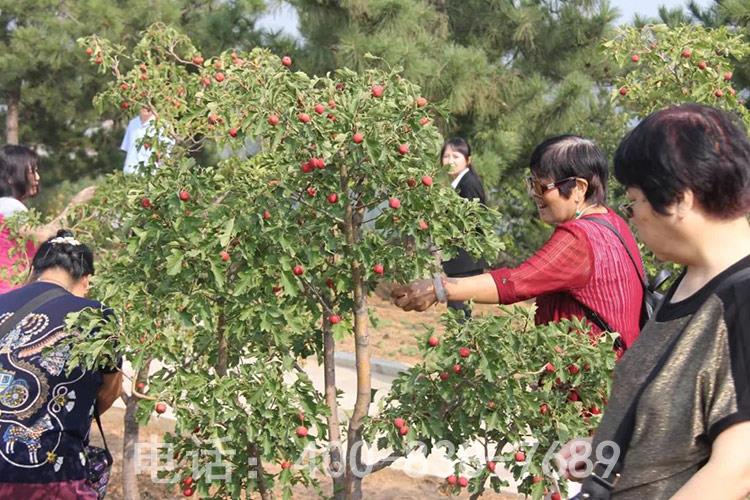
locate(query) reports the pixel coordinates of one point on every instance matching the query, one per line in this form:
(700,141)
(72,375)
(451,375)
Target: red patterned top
(583,260)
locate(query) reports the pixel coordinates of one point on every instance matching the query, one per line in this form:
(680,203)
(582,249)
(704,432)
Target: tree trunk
(334,433)
(11,116)
(130,438)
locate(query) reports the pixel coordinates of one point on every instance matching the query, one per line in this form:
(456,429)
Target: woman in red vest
(584,270)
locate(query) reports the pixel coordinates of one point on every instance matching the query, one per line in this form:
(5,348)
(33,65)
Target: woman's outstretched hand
(416,296)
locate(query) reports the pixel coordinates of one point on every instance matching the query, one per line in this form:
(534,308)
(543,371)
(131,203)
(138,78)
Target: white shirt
(134,134)
(10,206)
(458,178)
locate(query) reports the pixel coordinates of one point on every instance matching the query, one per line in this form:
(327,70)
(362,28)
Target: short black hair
(568,155)
(15,161)
(691,146)
(458,144)
(76,259)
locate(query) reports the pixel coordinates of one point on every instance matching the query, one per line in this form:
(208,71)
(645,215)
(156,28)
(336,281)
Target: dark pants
(460,305)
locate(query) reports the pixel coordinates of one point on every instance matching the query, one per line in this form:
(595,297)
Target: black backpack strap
(612,228)
(30,306)
(600,483)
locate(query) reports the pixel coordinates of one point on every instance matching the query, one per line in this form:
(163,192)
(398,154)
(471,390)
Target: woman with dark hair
(45,409)
(680,427)
(590,267)
(456,156)
(19,181)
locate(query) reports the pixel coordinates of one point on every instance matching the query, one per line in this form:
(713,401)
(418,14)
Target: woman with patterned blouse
(46,412)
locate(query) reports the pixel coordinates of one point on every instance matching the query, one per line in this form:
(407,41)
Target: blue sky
(283,17)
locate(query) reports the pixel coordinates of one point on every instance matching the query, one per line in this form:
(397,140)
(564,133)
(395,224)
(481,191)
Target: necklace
(579,213)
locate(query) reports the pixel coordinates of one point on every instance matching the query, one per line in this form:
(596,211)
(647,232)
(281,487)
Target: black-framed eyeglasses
(537,187)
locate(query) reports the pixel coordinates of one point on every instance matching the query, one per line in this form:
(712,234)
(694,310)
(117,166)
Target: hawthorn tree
(229,273)
(517,389)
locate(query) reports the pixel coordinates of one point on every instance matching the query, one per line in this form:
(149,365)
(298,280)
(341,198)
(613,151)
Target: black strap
(624,433)
(30,306)
(612,228)
(110,460)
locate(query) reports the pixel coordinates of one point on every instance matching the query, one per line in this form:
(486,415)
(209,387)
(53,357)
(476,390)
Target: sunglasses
(536,187)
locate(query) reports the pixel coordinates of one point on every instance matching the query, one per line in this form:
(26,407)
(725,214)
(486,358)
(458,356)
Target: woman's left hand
(416,296)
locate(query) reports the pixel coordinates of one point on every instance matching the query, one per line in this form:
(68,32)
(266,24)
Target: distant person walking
(456,157)
(137,154)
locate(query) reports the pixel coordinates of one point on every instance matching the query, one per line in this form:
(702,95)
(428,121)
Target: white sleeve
(10,206)
(126,139)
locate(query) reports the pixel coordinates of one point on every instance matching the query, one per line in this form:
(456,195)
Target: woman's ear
(582,185)
(684,204)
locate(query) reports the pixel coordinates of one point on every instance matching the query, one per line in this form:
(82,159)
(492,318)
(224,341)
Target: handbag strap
(30,306)
(612,228)
(110,460)
(624,433)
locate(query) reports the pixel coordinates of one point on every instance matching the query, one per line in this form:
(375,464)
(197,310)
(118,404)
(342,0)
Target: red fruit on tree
(595,410)
(727,76)
(330,283)
(311,191)
(266,215)
(544,408)
(145,203)
(536,479)
(421,102)
(89,51)
(426,180)
(333,198)
(188,481)
(332,103)
(205,81)
(318,163)
(719,93)
(224,255)
(573,369)
(491,466)
(555,496)
(98,60)
(573,396)
(184,195)
(399,422)
(334,319)
(219,77)
(298,270)
(286,464)
(635,58)
(463,482)
(452,480)
(444,376)
(702,65)
(307,167)
(394,203)
(233,132)
(623,91)
(423,226)
(378,269)
(320,109)
(124,86)
(686,53)
(301,431)
(124,105)
(140,386)
(358,138)
(188,492)
(433,341)
(403,431)
(464,352)
(403,149)
(286,61)
(376,91)
(198,59)
(520,456)
(303,117)
(273,120)
(331,117)
(549,368)
(457,368)
(213,119)
(411,182)
(731,91)
(424,121)
(160,408)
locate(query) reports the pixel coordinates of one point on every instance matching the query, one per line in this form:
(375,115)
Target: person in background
(684,414)
(139,128)
(456,156)
(45,409)
(19,181)
(583,268)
